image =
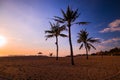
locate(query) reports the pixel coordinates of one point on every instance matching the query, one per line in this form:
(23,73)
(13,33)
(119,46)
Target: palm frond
(62,28)
(79,41)
(92,46)
(75,15)
(63,35)
(69,11)
(92,40)
(88,47)
(82,23)
(81,46)
(64,15)
(48,31)
(51,24)
(58,20)
(49,36)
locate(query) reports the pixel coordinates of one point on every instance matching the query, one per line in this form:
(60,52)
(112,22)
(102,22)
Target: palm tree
(85,41)
(69,18)
(55,31)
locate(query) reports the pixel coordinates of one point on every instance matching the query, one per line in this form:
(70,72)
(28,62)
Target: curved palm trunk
(86,52)
(70,43)
(57,48)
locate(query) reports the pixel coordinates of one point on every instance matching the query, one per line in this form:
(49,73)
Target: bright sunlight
(2,41)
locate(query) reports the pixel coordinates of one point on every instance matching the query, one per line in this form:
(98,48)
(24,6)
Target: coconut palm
(85,41)
(68,19)
(55,31)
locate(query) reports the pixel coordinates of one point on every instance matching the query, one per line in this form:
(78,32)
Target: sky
(23,24)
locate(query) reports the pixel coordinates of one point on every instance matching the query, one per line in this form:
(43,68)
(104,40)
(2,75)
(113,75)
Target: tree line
(112,52)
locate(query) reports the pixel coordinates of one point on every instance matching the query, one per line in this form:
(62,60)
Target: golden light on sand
(3,41)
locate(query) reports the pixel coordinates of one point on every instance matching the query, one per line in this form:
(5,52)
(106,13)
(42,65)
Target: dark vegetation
(112,52)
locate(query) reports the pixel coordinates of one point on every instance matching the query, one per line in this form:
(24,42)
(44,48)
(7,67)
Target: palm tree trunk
(70,43)
(86,52)
(57,48)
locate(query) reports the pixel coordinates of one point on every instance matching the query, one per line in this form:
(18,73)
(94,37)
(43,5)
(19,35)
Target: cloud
(108,44)
(110,41)
(112,27)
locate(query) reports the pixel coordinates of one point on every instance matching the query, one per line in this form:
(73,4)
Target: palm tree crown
(69,16)
(55,30)
(85,41)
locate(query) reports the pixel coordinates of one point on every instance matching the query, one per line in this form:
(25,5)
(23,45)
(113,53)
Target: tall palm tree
(85,41)
(69,18)
(55,31)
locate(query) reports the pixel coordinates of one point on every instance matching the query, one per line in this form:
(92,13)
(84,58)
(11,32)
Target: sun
(2,40)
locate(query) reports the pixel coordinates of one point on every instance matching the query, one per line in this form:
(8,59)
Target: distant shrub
(50,54)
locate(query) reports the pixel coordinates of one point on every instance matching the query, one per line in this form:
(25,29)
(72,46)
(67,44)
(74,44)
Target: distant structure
(39,53)
(51,54)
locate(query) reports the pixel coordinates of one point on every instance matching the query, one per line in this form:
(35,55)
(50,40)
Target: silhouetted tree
(55,31)
(85,41)
(51,54)
(114,51)
(39,53)
(69,18)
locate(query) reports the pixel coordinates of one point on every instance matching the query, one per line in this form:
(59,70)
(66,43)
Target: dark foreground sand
(45,68)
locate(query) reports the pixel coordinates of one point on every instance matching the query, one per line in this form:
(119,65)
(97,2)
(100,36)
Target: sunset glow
(3,41)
